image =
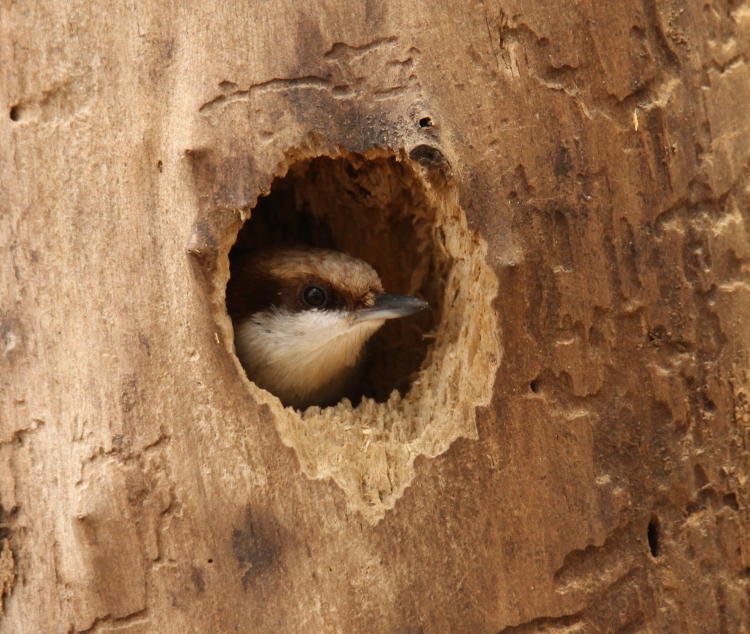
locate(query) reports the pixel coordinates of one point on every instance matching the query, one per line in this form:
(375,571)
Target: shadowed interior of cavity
(376,210)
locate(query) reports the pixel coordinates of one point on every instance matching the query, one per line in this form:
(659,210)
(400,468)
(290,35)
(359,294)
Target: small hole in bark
(428,157)
(425,122)
(15,113)
(374,210)
(159,165)
(534,386)
(653,533)
(210,561)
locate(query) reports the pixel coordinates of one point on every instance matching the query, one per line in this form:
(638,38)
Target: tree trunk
(566,447)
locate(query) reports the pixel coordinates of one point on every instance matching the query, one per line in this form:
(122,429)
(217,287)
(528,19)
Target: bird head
(302,317)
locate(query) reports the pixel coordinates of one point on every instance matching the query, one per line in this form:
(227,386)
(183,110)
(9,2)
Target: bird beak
(391,306)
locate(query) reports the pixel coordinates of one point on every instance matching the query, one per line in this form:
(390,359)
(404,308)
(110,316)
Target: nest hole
(375,209)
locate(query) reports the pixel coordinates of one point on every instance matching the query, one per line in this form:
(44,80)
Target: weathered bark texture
(575,181)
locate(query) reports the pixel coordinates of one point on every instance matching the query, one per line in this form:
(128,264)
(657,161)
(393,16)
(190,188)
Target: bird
(302,317)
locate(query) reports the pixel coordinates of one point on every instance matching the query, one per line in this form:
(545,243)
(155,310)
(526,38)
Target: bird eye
(314,296)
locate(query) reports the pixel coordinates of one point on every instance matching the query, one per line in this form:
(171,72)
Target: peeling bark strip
(582,175)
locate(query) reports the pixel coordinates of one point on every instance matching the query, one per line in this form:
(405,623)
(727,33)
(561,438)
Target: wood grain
(600,152)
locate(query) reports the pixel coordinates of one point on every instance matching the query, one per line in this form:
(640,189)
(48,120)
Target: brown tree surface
(567,182)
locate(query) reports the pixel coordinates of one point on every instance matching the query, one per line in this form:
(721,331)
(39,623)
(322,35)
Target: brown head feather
(276,277)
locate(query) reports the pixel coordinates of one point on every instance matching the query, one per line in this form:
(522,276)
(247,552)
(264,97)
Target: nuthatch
(302,317)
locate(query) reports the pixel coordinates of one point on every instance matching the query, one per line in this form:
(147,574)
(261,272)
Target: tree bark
(572,455)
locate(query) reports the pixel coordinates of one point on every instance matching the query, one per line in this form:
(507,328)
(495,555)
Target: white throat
(305,357)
